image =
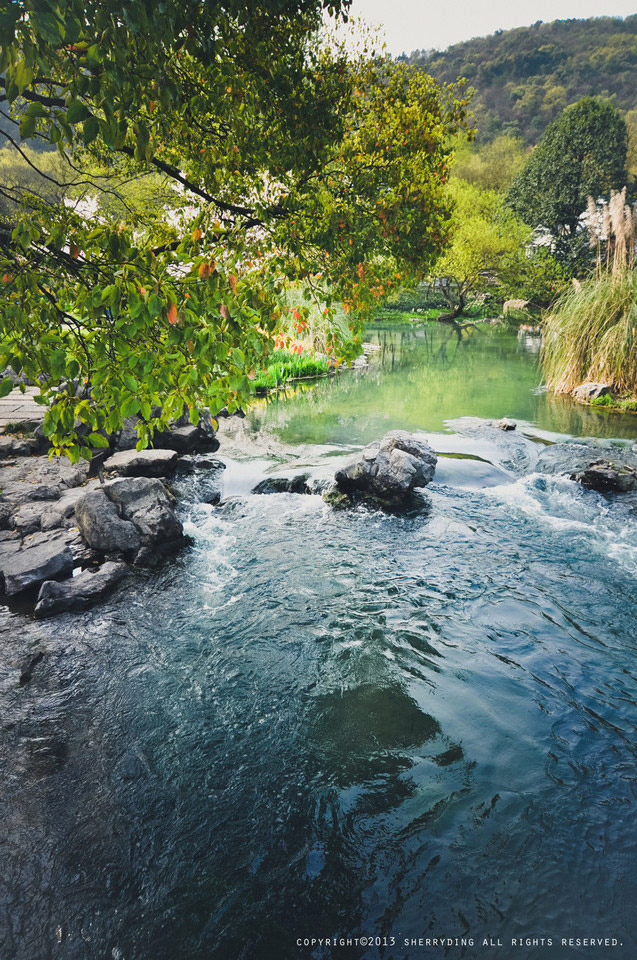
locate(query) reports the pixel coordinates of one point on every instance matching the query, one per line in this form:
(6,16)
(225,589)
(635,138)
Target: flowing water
(320,724)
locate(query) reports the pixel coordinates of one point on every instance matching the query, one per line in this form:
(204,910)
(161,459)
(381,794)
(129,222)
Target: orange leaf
(232,280)
(172,314)
(196,234)
(225,313)
(204,271)
(74,251)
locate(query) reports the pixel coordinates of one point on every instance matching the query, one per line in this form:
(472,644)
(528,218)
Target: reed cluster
(591,333)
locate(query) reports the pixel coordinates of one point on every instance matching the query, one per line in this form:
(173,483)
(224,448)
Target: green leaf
(6,386)
(90,129)
(77,111)
(130,382)
(27,126)
(98,440)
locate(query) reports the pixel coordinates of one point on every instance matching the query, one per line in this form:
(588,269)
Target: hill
(524,78)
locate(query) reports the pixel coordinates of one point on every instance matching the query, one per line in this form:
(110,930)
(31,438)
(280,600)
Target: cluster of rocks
(385,474)
(57,519)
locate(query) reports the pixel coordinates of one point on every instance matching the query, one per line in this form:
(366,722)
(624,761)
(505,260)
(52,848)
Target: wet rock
(298,484)
(199,461)
(388,470)
(605,477)
(590,391)
(606,469)
(80,591)
(146,503)
(142,463)
(505,424)
(28,567)
(102,527)
(29,665)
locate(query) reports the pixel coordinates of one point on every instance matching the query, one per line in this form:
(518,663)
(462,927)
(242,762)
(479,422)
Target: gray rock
(102,527)
(26,518)
(181,439)
(5,515)
(146,503)
(78,592)
(191,463)
(590,391)
(60,513)
(11,446)
(128,437)
(298,484)
(20,479)
(603,468)
(505,424)
(142,463)
(31,566)
(605,477)
(388,470)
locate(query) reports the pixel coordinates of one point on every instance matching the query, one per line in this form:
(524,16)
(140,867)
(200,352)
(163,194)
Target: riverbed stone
(142,463)
(506,424)
(28,567)
(297,484)
(606,477)
(602,468)
(388,470)
(146,503)
(80,591)
(102,527)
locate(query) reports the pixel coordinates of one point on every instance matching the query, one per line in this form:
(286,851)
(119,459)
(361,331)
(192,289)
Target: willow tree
(287,159)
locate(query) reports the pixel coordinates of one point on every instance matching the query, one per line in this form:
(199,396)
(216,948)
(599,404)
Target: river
(344,724)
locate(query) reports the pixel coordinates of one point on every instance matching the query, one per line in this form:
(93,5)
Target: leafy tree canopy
(488,246)
(285,158)
(582,153)
(492,165)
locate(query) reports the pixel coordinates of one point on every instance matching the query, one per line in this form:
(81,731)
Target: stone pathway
(20,408)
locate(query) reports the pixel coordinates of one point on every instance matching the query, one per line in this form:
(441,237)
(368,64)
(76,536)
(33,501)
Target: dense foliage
(525,77)
(286,159)
(582,154)
(487,249)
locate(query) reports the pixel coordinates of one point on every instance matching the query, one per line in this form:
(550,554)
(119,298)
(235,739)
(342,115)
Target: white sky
(422,24)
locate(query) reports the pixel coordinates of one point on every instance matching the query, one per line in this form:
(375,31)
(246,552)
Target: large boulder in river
(133,516)
(388,470)
(145,502)
(78,592)
(102,527)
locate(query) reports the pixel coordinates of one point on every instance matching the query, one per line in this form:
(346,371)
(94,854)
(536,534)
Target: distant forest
(524,78)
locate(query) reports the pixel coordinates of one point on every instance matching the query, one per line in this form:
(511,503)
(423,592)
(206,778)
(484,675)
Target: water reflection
(427,374)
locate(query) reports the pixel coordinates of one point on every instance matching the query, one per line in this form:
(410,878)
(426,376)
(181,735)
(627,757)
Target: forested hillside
(524,78)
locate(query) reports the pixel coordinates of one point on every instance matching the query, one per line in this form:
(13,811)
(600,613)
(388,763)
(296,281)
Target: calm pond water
(318,724)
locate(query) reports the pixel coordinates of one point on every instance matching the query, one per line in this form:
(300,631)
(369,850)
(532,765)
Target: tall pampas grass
(591,333)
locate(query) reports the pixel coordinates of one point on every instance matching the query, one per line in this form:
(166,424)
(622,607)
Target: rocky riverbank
(70,532)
